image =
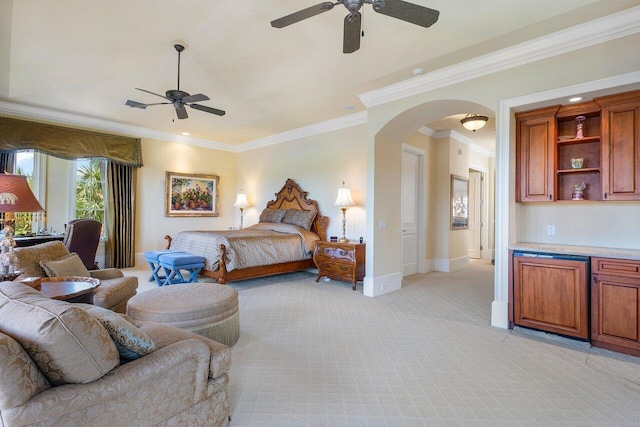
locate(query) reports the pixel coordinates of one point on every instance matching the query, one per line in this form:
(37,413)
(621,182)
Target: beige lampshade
(241,201)
(16,195)
(344,199)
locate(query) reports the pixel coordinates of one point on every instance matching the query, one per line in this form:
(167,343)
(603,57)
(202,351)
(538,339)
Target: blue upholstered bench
(172,263)
(152,258)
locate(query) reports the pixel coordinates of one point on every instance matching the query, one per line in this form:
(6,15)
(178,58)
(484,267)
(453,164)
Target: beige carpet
(320,354)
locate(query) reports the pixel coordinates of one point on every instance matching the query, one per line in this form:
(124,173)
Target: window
(25,223)
(90,188)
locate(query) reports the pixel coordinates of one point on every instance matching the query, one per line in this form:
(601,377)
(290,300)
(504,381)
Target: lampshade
(344,199)
(241,201)
(16,195)
(473,122)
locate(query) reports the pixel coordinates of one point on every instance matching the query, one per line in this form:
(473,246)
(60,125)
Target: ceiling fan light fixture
(473,122)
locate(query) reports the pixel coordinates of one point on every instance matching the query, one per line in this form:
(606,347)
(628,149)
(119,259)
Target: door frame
(421,203)
(485,252)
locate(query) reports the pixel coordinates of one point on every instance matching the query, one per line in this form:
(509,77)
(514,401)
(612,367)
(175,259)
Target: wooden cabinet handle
(606,195)
(594,279)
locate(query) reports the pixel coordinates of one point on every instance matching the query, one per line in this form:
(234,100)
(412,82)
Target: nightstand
(340,261)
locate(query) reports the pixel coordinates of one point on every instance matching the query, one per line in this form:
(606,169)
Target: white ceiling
(86,57)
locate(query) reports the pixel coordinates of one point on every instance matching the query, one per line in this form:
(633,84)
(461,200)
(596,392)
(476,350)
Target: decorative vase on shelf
(579,124)
(578,191)
(577,163)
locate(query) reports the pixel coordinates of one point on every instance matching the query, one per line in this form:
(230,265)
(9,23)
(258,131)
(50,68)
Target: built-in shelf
(579,170)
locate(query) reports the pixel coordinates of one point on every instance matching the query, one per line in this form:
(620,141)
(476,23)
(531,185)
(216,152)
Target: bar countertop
(590,251)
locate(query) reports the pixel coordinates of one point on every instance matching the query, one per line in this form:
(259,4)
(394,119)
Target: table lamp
(15,196)
(344,201)
(241,203)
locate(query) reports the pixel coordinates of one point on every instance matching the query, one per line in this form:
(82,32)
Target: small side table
(70,289)
(340,261)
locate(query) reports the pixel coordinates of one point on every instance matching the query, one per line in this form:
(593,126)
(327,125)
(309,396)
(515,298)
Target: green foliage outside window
(90,189)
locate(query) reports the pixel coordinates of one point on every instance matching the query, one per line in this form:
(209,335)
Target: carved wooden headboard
(291,196)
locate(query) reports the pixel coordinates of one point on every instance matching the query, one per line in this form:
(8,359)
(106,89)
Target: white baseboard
(500,314)
(487,254)
(451,265)
(374,286)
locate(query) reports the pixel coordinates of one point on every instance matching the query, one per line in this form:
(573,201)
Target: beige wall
(318,164)
(159,157)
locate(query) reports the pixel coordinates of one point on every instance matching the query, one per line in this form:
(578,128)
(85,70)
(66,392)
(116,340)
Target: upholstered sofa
(114,291)
(63,364)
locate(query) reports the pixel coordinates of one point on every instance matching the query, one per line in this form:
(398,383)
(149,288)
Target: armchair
(114,291)
(82,236)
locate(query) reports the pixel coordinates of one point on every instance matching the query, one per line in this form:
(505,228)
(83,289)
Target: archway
(384,263)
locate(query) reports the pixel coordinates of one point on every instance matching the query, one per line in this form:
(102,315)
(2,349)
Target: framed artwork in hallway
(459,202)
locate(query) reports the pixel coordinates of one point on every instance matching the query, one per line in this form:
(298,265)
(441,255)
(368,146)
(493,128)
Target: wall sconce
(241,203)
(344,201)
(15,196)
(473,122)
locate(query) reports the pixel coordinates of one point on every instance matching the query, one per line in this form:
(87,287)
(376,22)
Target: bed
(282,242)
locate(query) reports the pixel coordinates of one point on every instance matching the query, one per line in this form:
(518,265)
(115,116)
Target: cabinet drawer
(615,267)
(337,268)
(335,253)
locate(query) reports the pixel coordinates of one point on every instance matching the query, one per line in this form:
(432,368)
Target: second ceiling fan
(399,9)
(179,99)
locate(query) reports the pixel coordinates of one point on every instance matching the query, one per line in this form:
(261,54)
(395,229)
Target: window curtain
(119,218)
(68,143)
(7,161)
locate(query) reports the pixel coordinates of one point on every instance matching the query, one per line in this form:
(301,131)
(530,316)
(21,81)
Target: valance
(68,143)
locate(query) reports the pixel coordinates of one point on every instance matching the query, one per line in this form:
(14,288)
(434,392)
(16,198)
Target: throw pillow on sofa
(69,265)
(67,344)
(130,341)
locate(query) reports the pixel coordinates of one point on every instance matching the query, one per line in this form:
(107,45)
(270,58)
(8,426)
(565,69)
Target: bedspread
(259,244)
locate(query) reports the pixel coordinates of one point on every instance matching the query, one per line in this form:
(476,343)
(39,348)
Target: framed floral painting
(191,194)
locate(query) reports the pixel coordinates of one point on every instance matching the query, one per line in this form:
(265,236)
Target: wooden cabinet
(615,304)
(535,157)
(340,261)
(621,146)
(551,295)
(587,147)
(546,141)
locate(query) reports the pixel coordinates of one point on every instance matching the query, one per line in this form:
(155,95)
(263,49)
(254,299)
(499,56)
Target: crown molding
(587,34)
(58,117)
(458,137)
(343,122)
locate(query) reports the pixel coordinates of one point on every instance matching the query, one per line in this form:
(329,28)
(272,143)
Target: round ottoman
(207,309)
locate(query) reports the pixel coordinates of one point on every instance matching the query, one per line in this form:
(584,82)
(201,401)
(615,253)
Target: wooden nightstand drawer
(340,261)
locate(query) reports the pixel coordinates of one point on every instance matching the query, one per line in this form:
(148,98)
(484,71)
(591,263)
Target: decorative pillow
(130,341)
(302,219)
(21,377)
(70,265)
(29,257)
(272,215)
(68,345)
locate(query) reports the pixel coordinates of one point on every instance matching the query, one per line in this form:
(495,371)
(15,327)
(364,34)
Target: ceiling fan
(178,98)
(399,9)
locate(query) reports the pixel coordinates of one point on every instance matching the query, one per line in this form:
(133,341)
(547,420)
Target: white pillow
(69,265)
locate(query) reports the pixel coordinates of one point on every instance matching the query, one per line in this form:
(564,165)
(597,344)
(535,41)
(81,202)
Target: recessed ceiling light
(348,107)
(186,133)
(575,99)
(417,71)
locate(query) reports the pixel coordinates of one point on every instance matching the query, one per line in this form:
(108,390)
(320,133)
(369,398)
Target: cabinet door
(615,320)
(535,159)
(551,295)
(621,152)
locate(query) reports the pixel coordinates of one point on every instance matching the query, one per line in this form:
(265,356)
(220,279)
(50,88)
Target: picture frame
(191,194)
(459,202)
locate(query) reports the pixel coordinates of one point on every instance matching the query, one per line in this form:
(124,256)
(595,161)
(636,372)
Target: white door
(475,208)
(410,213)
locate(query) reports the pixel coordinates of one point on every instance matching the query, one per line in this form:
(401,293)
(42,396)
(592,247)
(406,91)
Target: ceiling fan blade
(351,40)
(408,12)
(302,14)
(153,93)
(196,98)
(208,109)
(135,104)
(181,112)
(158,103)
